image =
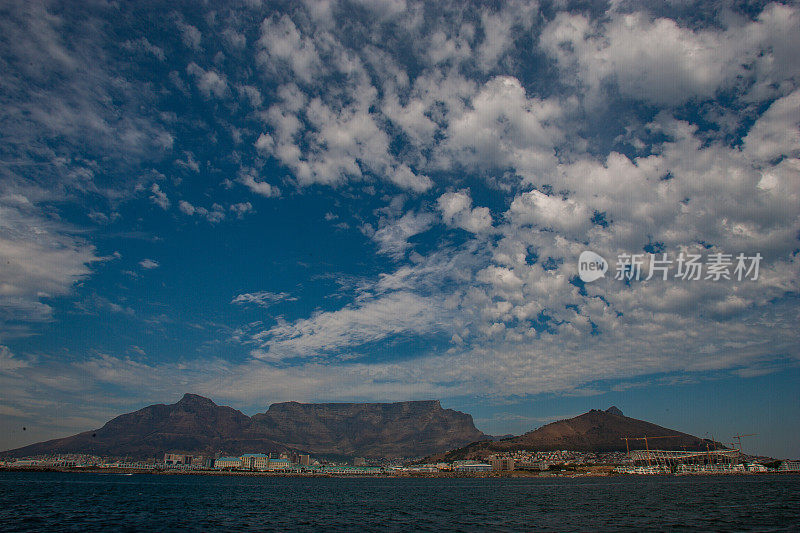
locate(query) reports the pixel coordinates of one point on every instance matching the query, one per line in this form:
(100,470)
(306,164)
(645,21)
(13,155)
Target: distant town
(536,463)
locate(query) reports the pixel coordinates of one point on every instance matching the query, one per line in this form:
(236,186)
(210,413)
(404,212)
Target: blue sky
(386,200)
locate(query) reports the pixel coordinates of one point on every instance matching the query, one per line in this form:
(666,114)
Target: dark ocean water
(91,502)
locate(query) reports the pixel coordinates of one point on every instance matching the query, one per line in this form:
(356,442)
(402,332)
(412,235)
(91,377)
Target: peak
(195,399)
(614,410)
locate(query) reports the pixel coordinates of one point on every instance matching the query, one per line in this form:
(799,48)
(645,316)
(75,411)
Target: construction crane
(739,438)
(647,447)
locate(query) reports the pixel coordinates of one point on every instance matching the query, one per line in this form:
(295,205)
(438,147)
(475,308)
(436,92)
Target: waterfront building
(279,464)
(466,466)
(255,461)
(349,470)
(228,462)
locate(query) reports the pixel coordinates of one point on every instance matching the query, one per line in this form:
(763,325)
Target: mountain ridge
(195,424)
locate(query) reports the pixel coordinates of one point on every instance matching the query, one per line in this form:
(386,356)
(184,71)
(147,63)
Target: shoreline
(520,474)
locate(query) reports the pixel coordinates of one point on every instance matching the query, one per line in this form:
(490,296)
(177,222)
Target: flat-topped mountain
(595,431)
(399,429)
(197,425)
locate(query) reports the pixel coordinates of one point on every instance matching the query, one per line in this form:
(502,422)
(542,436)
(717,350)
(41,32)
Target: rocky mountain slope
(400,429)
(197,425)
(193,424)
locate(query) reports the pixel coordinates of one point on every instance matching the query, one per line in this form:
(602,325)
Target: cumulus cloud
(209,83)
(564,215)
(215,214)
(282,42)
(247,177)
(191,36)
(504,128)
(688,63)
(456,208)
(777,132)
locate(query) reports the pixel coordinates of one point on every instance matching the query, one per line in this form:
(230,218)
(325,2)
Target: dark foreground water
(90,502)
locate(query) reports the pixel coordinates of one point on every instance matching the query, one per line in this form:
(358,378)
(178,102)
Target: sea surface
(38,501)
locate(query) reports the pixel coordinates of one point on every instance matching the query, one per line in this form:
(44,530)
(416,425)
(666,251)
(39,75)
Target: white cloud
(498,31)
(566,216)
(502,128)
(159,197)
(208,82)
(9,363)
(364,322)
(383,8)
(252,94)
(392,237)
(688,63)
(247,177)
(777,132)
(281,42)
(241,208)
(148,264)
(456,208)
(142,45)
(262,298)
(41,258)
(264,143)
(191,36)
(431,123)
(186,208)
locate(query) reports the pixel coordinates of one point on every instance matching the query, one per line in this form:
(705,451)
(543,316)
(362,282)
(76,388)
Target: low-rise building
(279,464)
(228,462)
(466,466)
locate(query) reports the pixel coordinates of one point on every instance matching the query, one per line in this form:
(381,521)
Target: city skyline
(387,201)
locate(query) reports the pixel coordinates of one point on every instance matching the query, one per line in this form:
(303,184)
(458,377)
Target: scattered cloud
(262,298)
(531,135)
(248,178)
(148,264)
(159,197)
